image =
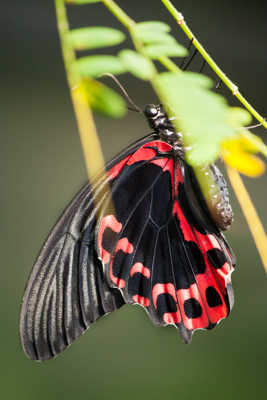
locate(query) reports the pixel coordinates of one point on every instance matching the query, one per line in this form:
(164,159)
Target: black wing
(67,290)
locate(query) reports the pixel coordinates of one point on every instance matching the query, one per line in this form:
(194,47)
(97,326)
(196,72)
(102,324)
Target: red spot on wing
(204,281)
(171,318)
(146,153)
(161,162)
(144,301)
(223,275)
(161,288)
(125,246)
(140,268)
(117,168)
(111,222)
(142,154)
(162,147)
(184,225)
(179,176)
(208,242)
(217,278)
(168,288)
(186,294)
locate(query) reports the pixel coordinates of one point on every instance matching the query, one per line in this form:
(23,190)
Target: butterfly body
(140,234)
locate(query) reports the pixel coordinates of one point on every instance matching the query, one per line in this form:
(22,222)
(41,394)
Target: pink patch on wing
(223,274)
(161,162)
(207,242)
(145,153)
(144,301)
(168,288)
(140,268)
(111,222)
(116,170)
(162,147)
(125,246)
(186,294)
(203,282)
(172,318)
(142,154)
(186,229)
(179,176)
(161,288)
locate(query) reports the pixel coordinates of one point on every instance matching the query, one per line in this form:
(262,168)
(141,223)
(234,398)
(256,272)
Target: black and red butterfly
(140,234)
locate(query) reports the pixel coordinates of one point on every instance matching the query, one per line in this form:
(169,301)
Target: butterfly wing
(158,250)
(153,248)
(67,290)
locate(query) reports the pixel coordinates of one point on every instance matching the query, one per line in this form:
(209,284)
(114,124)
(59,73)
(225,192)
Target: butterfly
(140,233)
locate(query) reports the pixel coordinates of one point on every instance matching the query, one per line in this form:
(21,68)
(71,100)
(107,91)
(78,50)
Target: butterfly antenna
(184,59)
(202,66)
(190,60)
(218,84)
(123,90)
(256,126)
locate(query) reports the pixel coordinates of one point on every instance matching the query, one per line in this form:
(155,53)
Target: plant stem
(234,89)
(129,24)
(169,64)
(119,13)
(88,135)
(250,214)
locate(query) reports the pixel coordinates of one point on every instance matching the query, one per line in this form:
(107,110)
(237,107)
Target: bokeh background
(122,355)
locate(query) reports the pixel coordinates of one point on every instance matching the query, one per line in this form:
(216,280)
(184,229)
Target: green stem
(67,51)
(89,139)
(169,64)
(119,13)
(129,24)
(234,89)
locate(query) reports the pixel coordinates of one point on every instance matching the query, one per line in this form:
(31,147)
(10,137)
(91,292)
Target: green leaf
(201,115)
(104,100)
(82,1)
(95,66)
(239,117)
(194,79)
(256,144)
(94,37)
(137,64)
(148,37)
(149,26)
(168,49)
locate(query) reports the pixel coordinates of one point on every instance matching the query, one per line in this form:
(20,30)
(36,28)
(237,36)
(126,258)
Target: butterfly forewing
(67,291)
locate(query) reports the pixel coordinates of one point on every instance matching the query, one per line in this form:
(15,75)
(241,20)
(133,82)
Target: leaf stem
(129,24)
(250,214)
(169,64)
(88,135)
(233,88)
(119,13)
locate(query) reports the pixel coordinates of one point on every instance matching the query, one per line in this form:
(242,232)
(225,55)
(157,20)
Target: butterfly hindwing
(179,270)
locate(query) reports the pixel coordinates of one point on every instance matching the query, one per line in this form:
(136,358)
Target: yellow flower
(239,153)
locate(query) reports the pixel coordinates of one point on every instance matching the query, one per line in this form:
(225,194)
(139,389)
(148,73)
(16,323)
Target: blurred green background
(123,355)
